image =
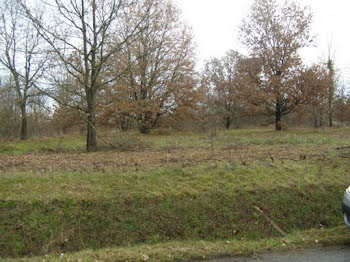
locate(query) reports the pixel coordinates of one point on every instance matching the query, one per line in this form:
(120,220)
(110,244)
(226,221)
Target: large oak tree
(158,68)
(274,33)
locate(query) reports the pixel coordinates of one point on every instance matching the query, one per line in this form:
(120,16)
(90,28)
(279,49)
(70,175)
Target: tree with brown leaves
(223,88)
(315,79)
(274,34)
(158,68)
(342,106)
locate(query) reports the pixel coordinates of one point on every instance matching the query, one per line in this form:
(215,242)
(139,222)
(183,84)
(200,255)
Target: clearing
(171,197)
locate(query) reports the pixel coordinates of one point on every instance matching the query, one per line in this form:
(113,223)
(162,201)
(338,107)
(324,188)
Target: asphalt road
(334,254)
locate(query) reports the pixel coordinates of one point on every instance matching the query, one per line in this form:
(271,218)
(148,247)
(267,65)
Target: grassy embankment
(173,197)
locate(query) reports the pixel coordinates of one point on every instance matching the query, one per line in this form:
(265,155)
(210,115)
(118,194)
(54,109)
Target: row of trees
(38,120)
(132,63)
(237,87)
(273,77)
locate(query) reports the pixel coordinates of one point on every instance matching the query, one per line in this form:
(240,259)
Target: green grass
(198,250)
(206,208)
(43,145)
(253,136)
(177,181)
(233,137)
(292,137)
(63,212)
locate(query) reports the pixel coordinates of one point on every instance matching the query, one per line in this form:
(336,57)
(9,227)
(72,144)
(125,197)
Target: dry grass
(143,160)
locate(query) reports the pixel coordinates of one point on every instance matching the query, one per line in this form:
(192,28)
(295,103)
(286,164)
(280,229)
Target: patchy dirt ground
(140,160)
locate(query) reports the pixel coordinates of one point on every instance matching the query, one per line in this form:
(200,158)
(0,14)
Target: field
(171,197)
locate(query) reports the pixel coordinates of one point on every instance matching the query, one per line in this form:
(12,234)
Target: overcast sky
(215,26)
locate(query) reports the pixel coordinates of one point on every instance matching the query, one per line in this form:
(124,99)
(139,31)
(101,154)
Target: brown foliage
(220,81)
(274,33)
(65,118)
(157,70)
(342,107)
(315,80)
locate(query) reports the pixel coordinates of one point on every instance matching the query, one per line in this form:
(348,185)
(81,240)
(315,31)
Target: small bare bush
(283,125)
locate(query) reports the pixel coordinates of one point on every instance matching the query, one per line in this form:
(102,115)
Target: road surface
(334,254)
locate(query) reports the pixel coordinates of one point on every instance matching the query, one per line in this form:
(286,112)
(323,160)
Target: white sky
(215,26)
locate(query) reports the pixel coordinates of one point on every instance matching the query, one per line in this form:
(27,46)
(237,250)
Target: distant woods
(130,64)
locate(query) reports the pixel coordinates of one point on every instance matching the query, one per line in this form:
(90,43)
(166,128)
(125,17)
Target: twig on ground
(285,158)
(271,157)
(344,147)
(268,164)
(275,226)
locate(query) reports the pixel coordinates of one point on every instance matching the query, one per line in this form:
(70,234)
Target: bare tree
(82,35)
(9,110)
(331,88)
(22,54)
(274,34)
(331,83)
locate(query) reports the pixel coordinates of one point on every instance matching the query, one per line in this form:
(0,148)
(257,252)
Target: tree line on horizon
(131,64)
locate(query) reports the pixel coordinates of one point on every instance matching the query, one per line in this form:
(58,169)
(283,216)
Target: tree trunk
(91,141)
(143,121)
(24,132)
(228,122)
(330,66)
(331,119)
(278,116)
(330,109)
(144,129)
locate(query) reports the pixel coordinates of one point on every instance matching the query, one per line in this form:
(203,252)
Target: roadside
(334,254)
(244,250)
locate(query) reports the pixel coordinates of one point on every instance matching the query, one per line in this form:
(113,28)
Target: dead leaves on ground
(142,160)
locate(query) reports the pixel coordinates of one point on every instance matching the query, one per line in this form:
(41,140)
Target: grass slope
(215,201)
(202,250)
(74,211)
